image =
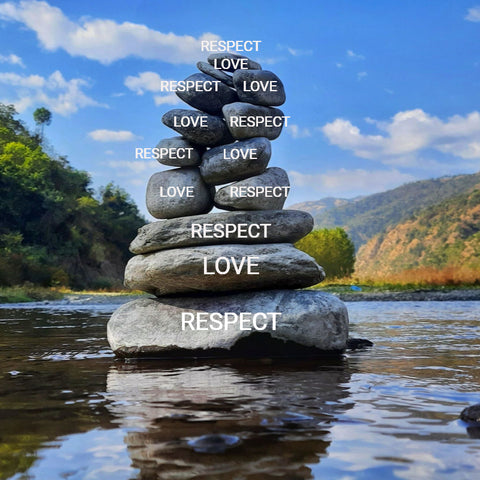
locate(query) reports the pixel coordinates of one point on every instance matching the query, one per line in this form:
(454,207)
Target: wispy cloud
(55,92)
(151,82)
(12,59)
(407,134)
(100,39)
(354,56)
(350,183)
(297,132)
(473,14)
(361,75)
(103,135)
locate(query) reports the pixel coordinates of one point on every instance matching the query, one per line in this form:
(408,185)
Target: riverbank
(411,296)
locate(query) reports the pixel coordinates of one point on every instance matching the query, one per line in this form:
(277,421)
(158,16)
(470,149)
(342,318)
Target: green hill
(368,216)
(54,230)
(442,238)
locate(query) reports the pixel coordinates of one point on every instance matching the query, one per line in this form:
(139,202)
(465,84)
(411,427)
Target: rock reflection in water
(273,419)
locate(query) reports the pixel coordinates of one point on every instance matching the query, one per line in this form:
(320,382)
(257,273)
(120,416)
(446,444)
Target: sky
(379,92)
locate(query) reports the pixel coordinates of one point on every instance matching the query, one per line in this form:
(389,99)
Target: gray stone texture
(178,146)
(226,197)
(271,91)
(242,109)
(220,165)
(213,72)
(184,203)
(214,133)
(207,101)
(153,327)
(183,270)
(215,59)
(286,226)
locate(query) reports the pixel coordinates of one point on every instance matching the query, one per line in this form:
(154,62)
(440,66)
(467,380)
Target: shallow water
(69,410)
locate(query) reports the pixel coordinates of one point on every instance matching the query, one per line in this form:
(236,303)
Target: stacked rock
(191,254)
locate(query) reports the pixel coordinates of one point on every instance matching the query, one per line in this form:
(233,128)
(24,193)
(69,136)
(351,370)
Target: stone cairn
(224,282)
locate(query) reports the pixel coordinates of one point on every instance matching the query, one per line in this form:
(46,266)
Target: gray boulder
(181,153)
(230,62)
(267,191)
(207,101)
(213,72)
(259,87)
(220,268)
(283,226)
(177,193)
(312,321)
(245,120)
(198,127)
(239,160)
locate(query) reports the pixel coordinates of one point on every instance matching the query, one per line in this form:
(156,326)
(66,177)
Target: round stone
(267,191)
(178,152)
(207,93)
(235,161)
(198,127)
(259,87)
(177,193)
(213,72)
(222,268)
(233,111)
(232,61)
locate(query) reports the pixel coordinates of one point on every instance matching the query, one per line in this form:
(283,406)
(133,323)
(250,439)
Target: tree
(332,249)
(42,117)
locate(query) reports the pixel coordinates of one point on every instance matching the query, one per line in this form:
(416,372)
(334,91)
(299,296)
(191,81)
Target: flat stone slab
(178,192)
(259,87)
(239,114)
(207,93)
(230,62)
(180,152)
(236,161)
(307,322)
(267,191)
(214,268)
(188,123)
(283,226)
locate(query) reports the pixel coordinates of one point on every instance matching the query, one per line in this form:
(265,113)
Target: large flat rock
(306,322)
(183,270)
(283,226)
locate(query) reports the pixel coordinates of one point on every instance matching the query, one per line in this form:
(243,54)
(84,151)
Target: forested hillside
(442,240)
(54,230)
(366,217)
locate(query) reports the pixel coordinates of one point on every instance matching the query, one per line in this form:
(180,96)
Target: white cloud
(136,166)
(55,92)
(12,59)
(339,65)
(297,132)
(361,75)
(103,135)
(408,133)
(354,56)
(473,14)
(151,82)
(296,52)
(350,183)
(99,39)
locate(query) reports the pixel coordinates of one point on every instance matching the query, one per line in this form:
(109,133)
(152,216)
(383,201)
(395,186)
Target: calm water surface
(69,410)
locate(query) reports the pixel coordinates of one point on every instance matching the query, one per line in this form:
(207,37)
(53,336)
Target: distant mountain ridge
(445,236)
(363,218)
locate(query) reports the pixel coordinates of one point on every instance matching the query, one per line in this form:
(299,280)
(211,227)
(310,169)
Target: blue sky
(379,92)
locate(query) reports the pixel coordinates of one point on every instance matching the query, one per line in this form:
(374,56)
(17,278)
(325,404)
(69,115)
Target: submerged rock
(213,443)
(310,323)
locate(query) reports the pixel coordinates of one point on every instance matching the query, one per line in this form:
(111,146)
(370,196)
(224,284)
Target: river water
(69,410)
